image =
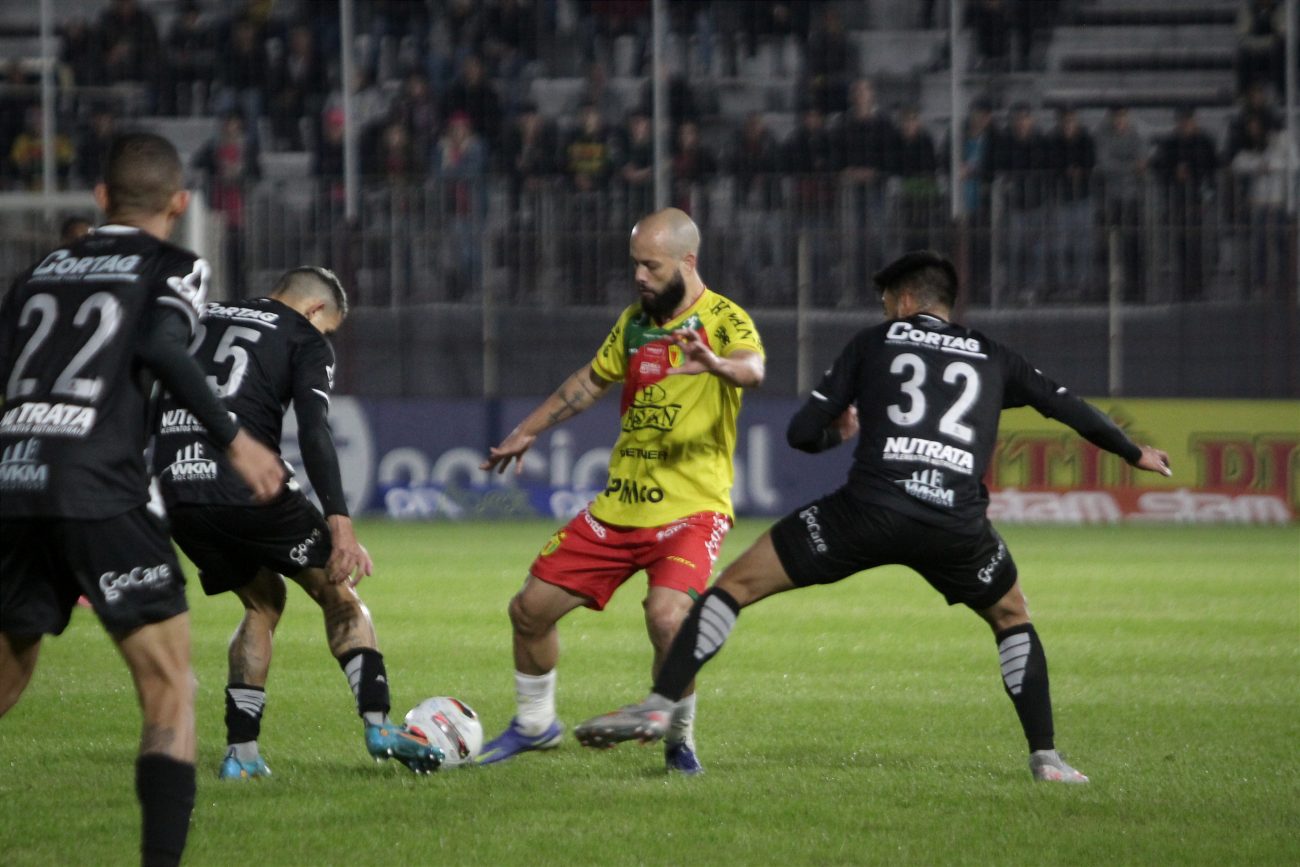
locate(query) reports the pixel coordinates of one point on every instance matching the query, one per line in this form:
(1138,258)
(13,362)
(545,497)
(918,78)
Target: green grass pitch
(863,723)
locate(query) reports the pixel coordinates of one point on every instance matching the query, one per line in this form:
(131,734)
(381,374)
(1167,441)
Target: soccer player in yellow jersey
(682,354)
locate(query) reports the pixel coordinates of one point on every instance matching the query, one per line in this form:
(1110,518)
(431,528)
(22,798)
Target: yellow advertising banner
(1234,461)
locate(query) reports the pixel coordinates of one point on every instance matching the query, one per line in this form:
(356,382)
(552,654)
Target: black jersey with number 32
(929,394)
(259,355)
(76,399)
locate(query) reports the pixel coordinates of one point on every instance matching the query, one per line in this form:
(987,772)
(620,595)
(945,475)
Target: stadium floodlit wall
(1234,462)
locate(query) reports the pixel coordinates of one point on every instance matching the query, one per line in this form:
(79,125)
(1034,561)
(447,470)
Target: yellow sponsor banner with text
(1233,461)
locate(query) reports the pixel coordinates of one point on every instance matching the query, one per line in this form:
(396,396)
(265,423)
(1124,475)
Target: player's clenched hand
(511,448)
(349,560)
(1154,460)
(261,468)
(697,357)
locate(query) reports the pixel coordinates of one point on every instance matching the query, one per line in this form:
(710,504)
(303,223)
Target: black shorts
(124,565)
(838,535)
(230,544)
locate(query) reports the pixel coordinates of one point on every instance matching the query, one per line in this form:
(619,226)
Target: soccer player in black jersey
(259,355)
(82,335)
(925,395)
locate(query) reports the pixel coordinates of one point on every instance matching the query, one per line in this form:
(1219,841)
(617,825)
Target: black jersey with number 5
(929,394)
(76,397)
(259,355)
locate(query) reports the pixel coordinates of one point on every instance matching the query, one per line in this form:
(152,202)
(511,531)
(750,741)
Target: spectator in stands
(241,73)
(866,149)
(991,22)
(296,88)
(616,31)
(473,94)
(327,160)
(589,160)
(1122,155)
(230,164)
(1020,162)
(635,158)
(694,166)
(416,107)
(190,56)
(1072,156)
(595,89)
(808,157)
(1185,163)
(919,204)
(73,229)
(17,94)
(92,145)
(831,61)
(509,41)
(775,20)
(1261,43)
(460,162)
(588,154)
(1032,19)
(528,153)
(975,168)
(27,153)
(393,156)
(529,156)
(1256,102)
(755,166)
(1261,168)
(129,41)
(81,52)
(681,99)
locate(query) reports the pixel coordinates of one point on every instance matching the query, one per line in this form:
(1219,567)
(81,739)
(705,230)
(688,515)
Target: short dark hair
(142,173)
(928,275)
(313,280)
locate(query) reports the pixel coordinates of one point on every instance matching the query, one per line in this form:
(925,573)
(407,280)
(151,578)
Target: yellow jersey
(677,433)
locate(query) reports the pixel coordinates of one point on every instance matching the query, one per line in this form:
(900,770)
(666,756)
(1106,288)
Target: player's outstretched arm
(349,560)
(582,389)
(743,368)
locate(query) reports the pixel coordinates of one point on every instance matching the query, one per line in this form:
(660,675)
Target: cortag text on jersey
(61,265)
(905,332)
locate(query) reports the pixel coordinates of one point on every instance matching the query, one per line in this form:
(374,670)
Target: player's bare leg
(350,632)
(1024,675)
(534,612)
(249,658)
(665,610)
(159,658)
(754,575)
(18,654)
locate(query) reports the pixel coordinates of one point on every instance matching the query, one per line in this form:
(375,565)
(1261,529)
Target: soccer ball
(450,724)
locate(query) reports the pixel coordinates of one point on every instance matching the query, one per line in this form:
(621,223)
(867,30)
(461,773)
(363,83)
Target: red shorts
(593,559)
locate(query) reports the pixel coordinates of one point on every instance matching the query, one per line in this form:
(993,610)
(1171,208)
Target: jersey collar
(676,321)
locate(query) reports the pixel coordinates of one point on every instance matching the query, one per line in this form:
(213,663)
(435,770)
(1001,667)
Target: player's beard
(661,305)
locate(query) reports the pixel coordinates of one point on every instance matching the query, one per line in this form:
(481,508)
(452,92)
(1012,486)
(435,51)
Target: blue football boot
(233,769)
(392,741)
(513,741)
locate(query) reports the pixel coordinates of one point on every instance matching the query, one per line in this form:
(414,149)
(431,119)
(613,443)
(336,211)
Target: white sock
(682,729)
(535,700)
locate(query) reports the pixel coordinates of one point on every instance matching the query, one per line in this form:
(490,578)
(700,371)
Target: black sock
(364,668)
(244,706)
(1024,674)
(165,789)
(701,637)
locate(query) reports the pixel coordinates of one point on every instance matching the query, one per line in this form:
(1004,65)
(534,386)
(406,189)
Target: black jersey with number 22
(929,393)
(76,398)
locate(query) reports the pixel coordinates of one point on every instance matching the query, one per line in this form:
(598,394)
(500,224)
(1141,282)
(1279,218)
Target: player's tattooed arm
(582,389)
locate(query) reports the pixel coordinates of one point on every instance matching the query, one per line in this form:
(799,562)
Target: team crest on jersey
(21,468)
(552,544)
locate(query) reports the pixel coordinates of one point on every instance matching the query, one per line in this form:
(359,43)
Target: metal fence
(1030,239)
